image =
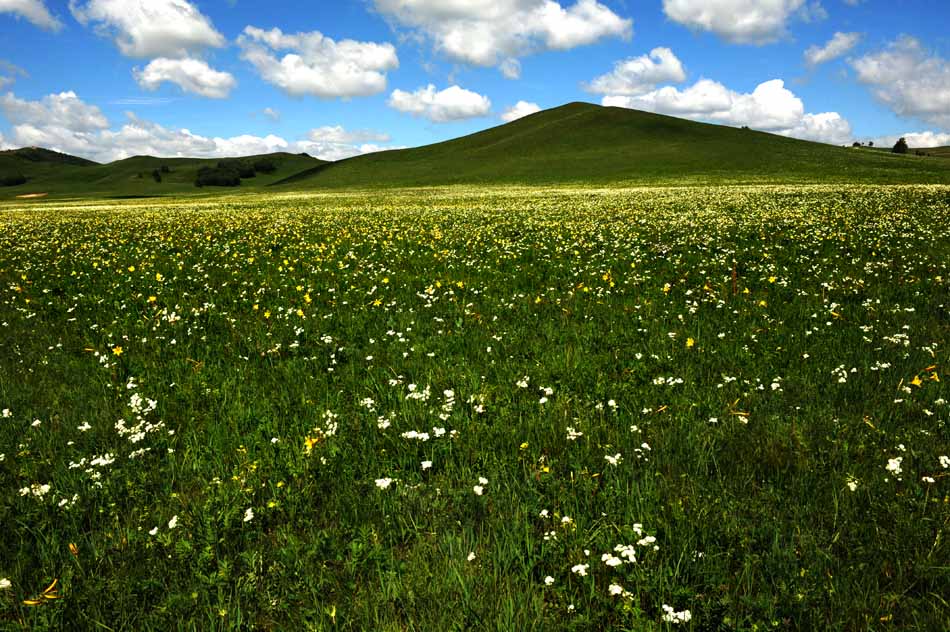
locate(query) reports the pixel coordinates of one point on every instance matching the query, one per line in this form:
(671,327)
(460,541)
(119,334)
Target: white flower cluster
(415,393)
(36,490)
(480,488)
(671,616)
(141,426)
(894,466)
(327,428)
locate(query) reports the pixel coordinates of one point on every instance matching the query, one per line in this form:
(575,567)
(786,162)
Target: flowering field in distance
(500,409)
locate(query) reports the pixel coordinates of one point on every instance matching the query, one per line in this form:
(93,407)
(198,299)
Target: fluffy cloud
(317,64)
(33,10)
(740,21)
(770,107)
(336,143)
(639,75)
(916,140)
(63,122)
(64,109)
(191,75)
(837,46)
(337,134)
(271,113)
(4,145)
(519,110)
(493,32)
(150,28)
(451,104)
(910,81)
(827,127)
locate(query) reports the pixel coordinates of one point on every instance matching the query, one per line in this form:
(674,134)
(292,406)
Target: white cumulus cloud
(63,122)
(191,75)
(338,134)
(334,142)
(837,46)
(908,80)
(318,65)
(519,110)
(63,109)
(770,107)
(826,127)
(741,21)
(639,75)
(452,104)
(34,11)
(150,28)
(494,32)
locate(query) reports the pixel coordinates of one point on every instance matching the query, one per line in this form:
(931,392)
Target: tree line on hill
(900,147)
(229,173)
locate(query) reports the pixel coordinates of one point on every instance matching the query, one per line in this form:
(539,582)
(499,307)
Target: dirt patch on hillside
(28,196)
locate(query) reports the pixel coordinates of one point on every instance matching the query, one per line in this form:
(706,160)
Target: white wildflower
(671,616)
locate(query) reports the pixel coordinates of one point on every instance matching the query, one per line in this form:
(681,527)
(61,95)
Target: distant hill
(581,143)
(61,175)
(575,144)
(39,154)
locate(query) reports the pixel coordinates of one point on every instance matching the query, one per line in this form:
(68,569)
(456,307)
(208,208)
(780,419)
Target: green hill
(60,175)
(937,152)
(575,144)
(589,144)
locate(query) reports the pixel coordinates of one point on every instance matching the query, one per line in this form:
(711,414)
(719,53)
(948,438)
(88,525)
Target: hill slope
(62,175)
(589,144)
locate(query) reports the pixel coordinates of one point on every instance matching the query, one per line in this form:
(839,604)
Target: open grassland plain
(502,409)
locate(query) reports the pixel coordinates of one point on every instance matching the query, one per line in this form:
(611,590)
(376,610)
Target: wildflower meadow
(478,408)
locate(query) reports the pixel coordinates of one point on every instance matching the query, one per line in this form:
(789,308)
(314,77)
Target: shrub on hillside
(12,179)
(265,165)
(900,147)
(217,177)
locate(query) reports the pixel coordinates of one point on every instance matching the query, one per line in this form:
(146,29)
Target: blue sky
(107,79)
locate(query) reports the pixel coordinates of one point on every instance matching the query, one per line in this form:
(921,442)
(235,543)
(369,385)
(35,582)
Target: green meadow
(482,407)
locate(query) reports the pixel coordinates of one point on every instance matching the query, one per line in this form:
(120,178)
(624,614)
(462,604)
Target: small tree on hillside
(900,147)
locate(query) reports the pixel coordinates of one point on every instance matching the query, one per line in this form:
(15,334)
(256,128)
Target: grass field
(494,408)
